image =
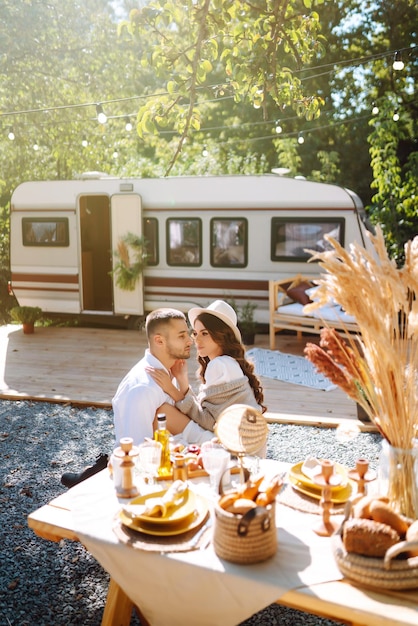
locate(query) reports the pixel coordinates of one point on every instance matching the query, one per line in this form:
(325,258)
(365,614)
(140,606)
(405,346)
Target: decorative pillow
(298,293)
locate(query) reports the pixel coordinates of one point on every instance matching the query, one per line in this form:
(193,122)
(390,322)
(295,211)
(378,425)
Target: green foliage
(250,50)
(395,203)
(128,272)
(26,314)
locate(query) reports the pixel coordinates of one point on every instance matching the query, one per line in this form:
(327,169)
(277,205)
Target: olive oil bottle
(163,436)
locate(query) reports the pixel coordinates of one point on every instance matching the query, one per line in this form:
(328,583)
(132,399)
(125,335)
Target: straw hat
(219,309)
(242,429)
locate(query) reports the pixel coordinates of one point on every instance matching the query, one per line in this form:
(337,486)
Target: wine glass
(215,461)
(149,459)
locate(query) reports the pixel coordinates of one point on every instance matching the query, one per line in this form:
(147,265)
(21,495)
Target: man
(139,397)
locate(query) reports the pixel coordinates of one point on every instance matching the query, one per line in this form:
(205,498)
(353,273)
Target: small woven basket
(242,429)
(385,573)
(249,538)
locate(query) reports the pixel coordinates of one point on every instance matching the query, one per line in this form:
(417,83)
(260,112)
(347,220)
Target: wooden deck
(84,366)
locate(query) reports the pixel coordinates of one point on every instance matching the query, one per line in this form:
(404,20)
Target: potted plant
(132,260)
(27,316)
(247,323)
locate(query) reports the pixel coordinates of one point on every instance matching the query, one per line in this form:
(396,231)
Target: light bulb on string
(84,143)
(101,115)
(115,154)
(301,138)
(278,128)
(205,152)
(36,146)
(11,135)
(128,125)
(398,64)
(375,109)
(395,116)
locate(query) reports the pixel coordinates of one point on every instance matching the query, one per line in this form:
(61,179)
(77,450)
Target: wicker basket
(248,538)
(385,573)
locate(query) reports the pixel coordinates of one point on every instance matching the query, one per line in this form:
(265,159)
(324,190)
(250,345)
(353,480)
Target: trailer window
(184,242)
(150,229)
(228,242)
(291,236)
(45,231)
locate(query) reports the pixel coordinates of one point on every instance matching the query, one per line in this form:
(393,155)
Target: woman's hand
(163,379)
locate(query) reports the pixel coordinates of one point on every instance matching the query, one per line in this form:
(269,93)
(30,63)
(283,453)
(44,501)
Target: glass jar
(398,478)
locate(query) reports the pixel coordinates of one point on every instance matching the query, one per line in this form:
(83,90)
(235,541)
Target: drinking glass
(149,459)
(215,461)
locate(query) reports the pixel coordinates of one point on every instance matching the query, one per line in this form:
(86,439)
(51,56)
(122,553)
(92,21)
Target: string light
(278,128)
(101,115)
(128,125)
(84,143)
(398,64)
(396,116)
(301,138)
(375,109)
(205,152)
(11,135)
(36,146)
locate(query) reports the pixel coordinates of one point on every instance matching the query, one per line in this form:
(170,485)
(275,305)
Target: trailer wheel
(136,322)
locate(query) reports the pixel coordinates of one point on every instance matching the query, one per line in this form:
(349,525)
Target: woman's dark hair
(225,337)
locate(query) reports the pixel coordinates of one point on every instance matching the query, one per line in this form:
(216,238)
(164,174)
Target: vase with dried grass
(379,368)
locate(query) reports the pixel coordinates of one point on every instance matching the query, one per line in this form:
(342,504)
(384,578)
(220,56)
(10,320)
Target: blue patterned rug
(288,368)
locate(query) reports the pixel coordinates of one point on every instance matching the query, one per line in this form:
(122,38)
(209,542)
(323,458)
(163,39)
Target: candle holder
(125,453)
(362,475)
(326,480)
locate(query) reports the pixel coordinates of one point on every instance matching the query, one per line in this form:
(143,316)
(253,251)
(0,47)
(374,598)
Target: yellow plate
(296,473)
(337,496)
(197,517)
(178,513)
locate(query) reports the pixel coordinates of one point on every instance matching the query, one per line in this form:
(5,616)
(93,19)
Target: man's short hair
(160,318)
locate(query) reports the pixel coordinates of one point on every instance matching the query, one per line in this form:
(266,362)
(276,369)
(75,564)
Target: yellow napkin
(158,506)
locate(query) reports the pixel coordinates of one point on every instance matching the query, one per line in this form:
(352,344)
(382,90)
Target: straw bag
(248,538)
(385,573)
(242,429)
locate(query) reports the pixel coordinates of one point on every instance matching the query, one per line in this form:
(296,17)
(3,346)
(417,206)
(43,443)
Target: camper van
(206,238)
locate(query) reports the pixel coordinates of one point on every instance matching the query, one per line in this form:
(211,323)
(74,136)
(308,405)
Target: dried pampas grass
(379,369)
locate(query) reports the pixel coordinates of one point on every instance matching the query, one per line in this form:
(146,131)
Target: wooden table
(336,599)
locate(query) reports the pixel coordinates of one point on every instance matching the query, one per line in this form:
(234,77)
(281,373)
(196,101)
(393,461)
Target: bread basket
(389,572)
(248,538)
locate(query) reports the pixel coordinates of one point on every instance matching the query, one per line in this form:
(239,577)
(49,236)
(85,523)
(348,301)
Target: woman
(227,377)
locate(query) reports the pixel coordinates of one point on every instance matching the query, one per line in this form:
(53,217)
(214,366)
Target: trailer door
(126,217)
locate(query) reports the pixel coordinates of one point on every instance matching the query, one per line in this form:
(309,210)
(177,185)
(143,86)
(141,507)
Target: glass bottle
(163,436)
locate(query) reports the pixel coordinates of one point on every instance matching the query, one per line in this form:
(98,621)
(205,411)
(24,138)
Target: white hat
(219,309)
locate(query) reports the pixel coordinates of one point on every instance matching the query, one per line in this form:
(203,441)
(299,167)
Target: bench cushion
(330,313)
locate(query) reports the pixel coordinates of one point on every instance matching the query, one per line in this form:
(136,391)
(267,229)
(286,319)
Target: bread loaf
(412,535)
(368,537)
(382,512)
(241,506)
(361,507)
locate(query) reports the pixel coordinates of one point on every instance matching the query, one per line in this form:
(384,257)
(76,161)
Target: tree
(203,49)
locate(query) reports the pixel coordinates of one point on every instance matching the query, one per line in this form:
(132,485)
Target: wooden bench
(286,310)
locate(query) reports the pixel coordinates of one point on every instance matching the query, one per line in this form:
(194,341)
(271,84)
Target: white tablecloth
(197,587)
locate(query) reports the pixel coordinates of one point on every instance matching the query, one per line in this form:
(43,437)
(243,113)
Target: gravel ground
(48,584)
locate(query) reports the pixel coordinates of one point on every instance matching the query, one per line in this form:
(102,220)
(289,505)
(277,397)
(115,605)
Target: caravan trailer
(207,238)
